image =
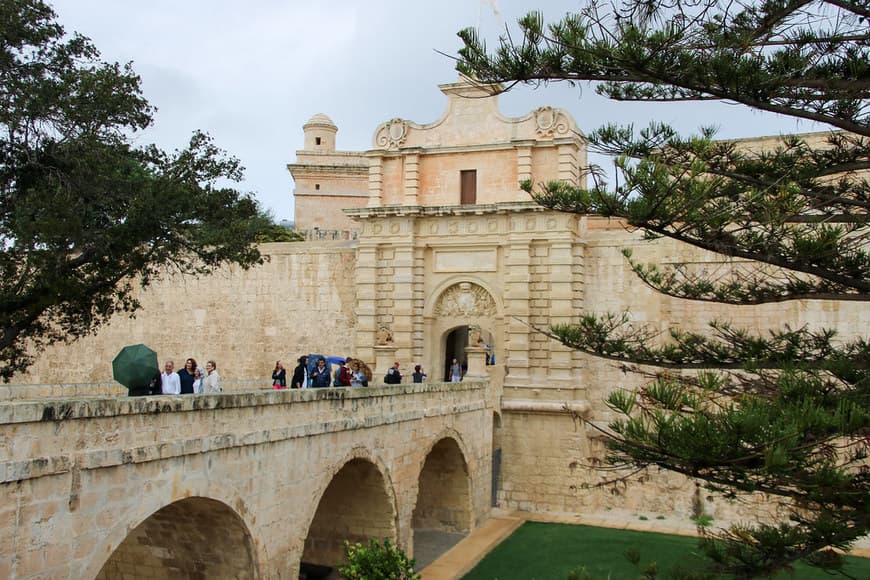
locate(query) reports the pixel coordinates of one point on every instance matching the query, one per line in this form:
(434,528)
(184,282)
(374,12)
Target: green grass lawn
(540,551)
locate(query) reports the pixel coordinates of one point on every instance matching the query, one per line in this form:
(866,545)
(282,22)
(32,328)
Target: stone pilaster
(569,170)
(524,163)
(517,279)
(561,304)
(365,280)
(402,297)
(411,178)
(376,181)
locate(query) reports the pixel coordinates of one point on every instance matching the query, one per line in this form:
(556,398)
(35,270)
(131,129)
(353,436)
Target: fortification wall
(551,461)
(301,300)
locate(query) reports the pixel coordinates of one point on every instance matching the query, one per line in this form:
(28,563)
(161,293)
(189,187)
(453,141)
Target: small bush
(376,561)
(703,520)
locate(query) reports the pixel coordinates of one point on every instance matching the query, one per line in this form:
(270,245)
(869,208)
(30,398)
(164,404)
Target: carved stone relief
(465,299)
(550,121)
(392,134)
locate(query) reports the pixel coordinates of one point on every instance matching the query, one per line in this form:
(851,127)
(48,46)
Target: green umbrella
(135,366)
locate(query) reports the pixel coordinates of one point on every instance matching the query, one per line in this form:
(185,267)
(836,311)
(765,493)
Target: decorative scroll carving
(550,121)
(392,134)
(465,299)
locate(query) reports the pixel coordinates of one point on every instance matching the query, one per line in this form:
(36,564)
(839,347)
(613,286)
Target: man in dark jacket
(320,377)
(393,376)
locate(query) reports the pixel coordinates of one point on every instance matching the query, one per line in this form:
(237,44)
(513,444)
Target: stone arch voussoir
(355,501)
(191,537)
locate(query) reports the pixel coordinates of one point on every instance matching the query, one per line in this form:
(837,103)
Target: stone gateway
(442,257)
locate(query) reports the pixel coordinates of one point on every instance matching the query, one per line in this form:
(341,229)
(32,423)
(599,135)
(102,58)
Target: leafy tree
(86,215)
(377,560)
(278,233)
(784,414)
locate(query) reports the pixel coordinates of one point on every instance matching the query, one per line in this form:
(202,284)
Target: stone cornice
(311,169)
(331,194)
(581,408)
(443,210)
(445,149)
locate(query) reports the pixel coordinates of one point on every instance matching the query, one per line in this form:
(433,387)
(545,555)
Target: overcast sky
(252,73)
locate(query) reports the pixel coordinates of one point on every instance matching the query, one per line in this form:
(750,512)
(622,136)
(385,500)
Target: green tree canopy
(789,415)
(86,216)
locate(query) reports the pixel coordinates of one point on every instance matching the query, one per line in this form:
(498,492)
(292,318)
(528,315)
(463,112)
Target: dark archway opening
(454,348)
(355,507)
(442,516)
(195,538)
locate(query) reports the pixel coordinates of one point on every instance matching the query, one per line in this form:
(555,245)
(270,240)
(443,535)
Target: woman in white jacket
(212,381)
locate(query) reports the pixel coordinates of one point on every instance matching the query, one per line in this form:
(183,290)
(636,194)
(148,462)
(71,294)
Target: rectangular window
(468,186)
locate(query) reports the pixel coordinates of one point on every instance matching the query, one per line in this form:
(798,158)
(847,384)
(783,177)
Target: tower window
(468,186)
(316,187)
(317,140)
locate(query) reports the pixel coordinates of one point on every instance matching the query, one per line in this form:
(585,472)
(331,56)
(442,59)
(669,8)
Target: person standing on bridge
(393,376)
(320,377)
(455,371)
(170,384)
(300,374)
(186,377)
(211,384)
(279,377)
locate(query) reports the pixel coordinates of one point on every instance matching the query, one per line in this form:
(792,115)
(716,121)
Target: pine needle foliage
(785,414)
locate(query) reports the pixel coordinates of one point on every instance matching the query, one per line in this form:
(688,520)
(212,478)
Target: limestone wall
(301,300)
(549,460)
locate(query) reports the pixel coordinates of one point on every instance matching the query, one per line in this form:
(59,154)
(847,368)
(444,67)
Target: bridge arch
(194,537)
(444,488)
(357,504)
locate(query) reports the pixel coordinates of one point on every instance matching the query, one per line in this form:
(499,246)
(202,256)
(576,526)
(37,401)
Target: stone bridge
(238,485)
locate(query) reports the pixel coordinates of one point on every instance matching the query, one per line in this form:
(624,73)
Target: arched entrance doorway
(356,507)
(456,311)
(191,538)
(454,349)
(455,343)
(442,515)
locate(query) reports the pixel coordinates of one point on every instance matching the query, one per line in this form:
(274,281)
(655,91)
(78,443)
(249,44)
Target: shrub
(376,561)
